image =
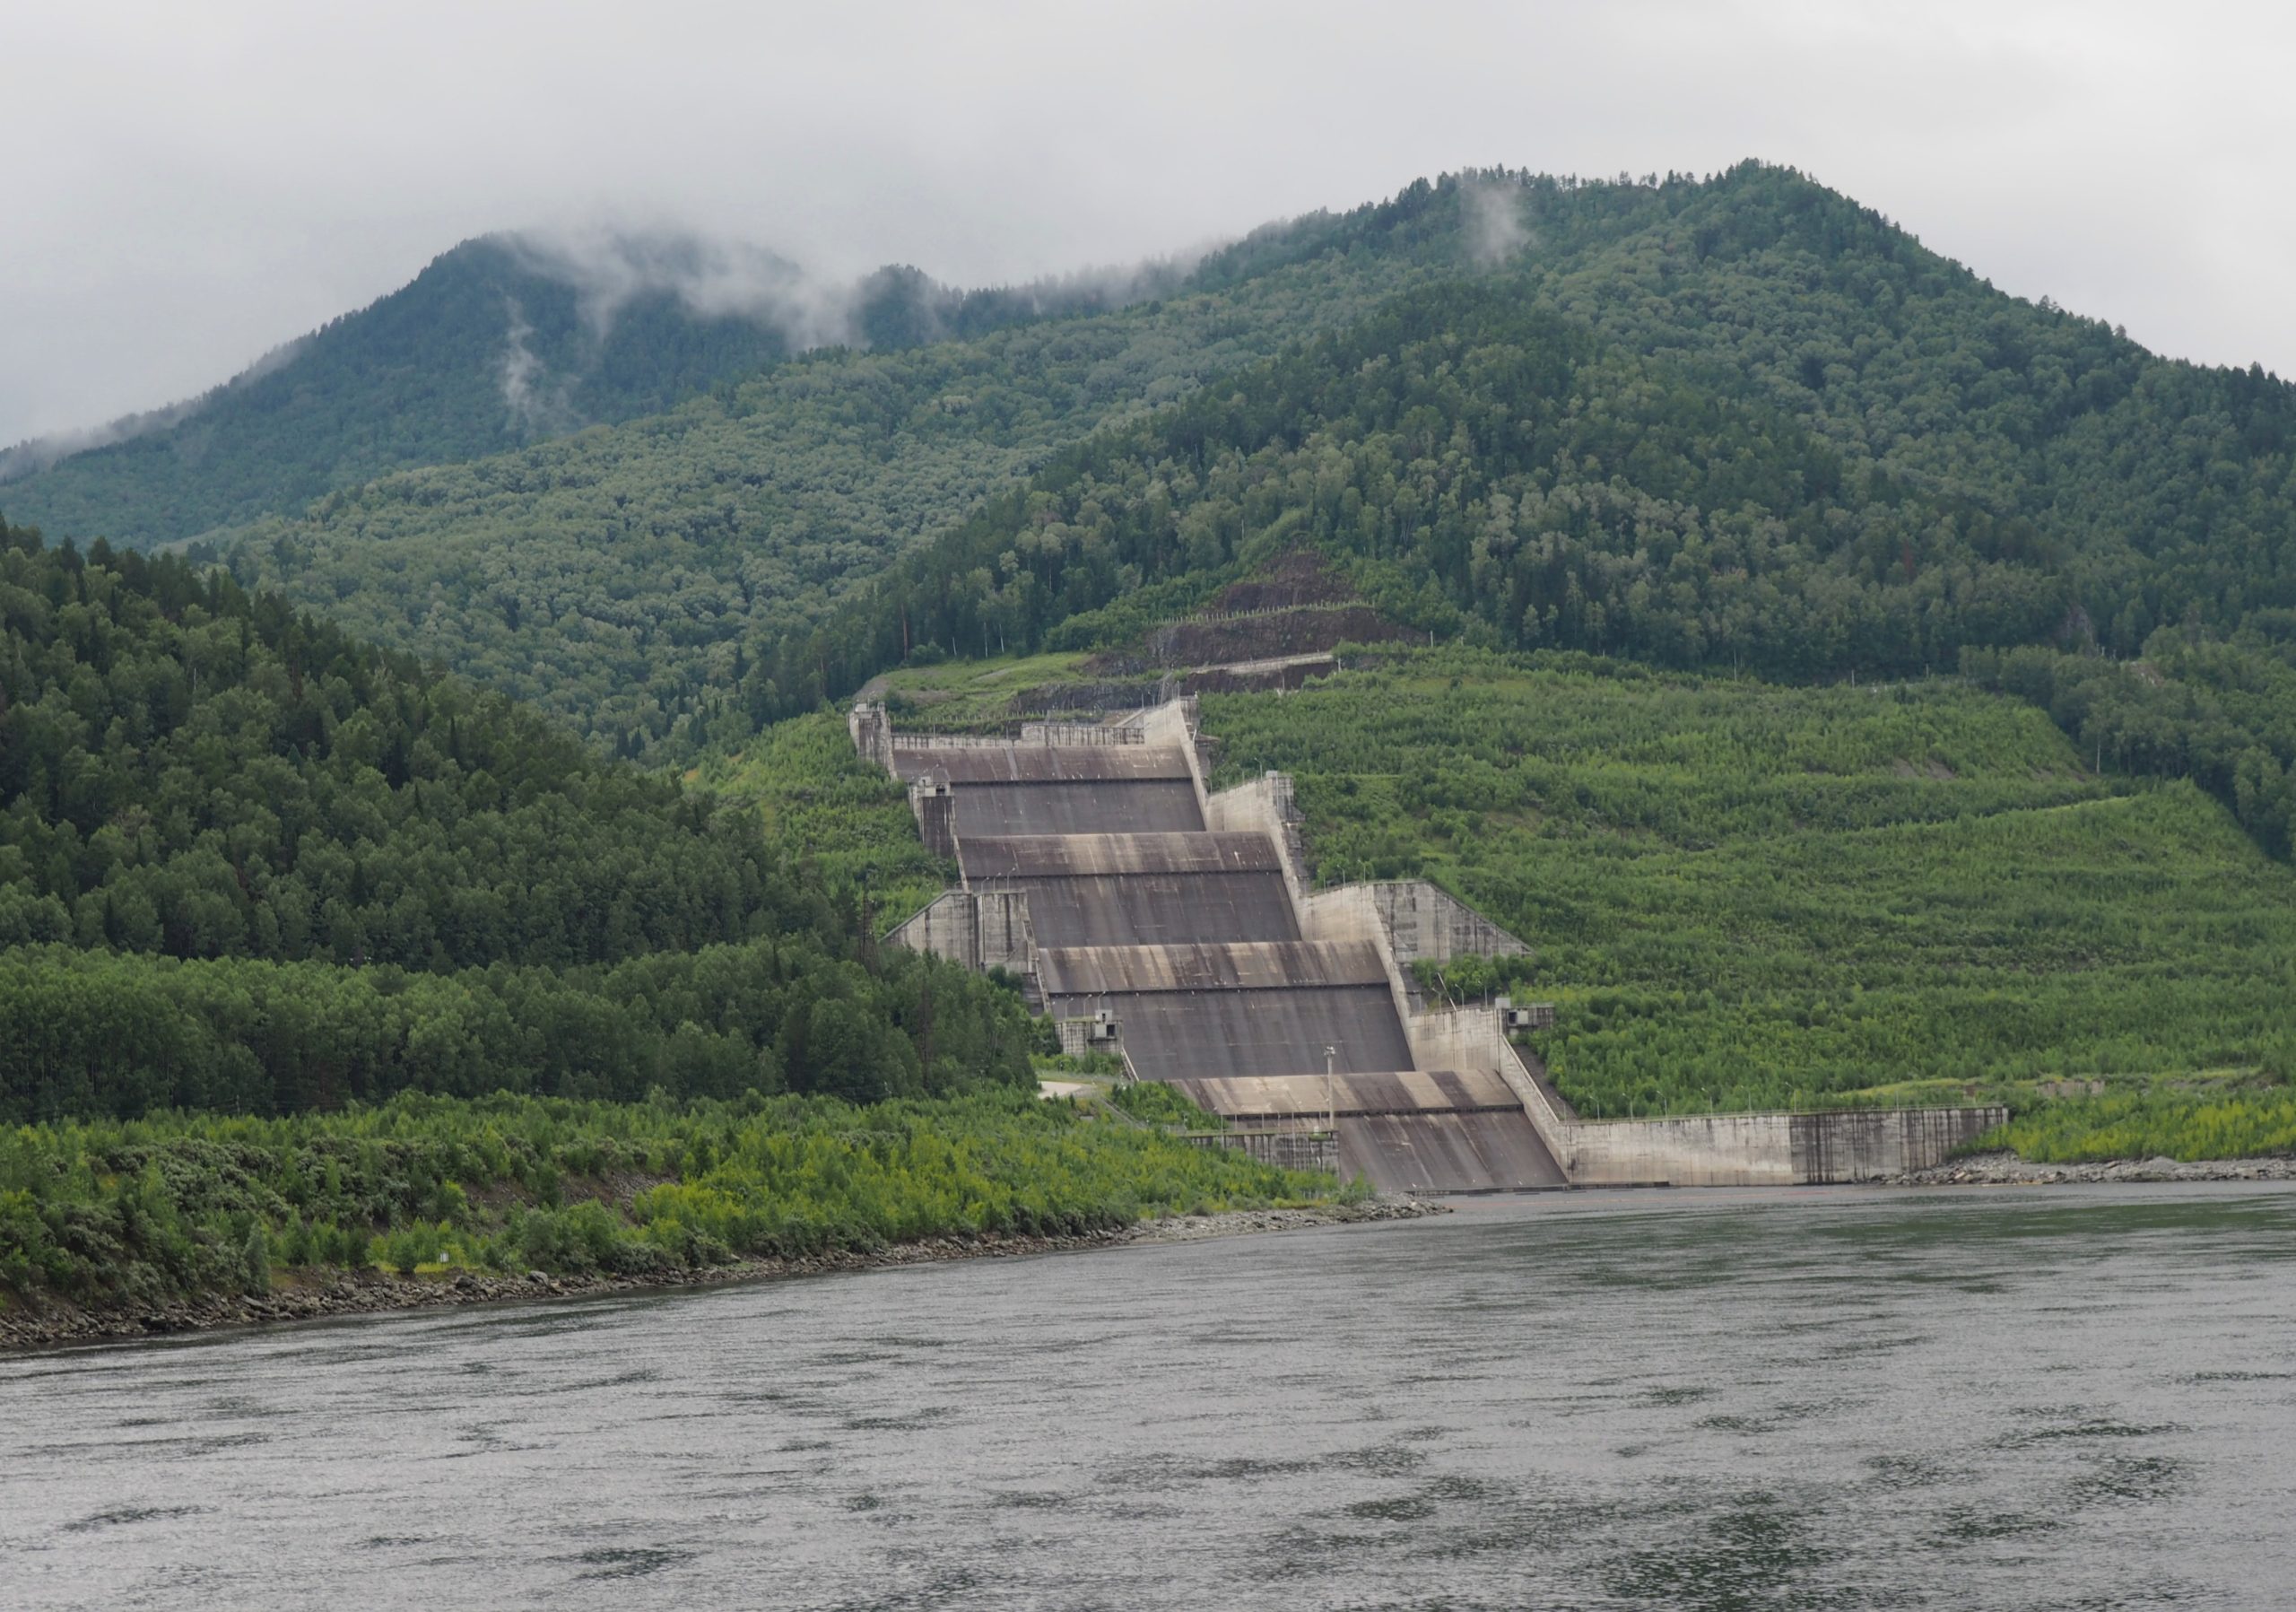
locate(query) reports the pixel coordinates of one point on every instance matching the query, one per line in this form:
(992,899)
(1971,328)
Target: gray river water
(2067,1397)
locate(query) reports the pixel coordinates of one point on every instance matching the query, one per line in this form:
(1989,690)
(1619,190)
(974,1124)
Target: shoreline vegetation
(374,1292)
(205,1219)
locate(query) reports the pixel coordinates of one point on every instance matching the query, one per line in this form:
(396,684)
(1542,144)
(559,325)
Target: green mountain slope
(250,863)
(1645,449)
(502,341)
(614,576)
(1750,896)
(487,348)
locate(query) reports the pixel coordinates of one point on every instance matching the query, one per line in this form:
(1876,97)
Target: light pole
(1331,1108)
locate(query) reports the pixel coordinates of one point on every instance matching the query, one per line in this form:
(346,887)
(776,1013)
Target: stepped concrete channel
(1175,928)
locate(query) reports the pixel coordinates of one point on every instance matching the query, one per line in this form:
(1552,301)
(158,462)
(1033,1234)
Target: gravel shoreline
(370,1292)
(2007,1170)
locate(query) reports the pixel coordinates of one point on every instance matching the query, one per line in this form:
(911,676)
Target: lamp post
(1331,1107)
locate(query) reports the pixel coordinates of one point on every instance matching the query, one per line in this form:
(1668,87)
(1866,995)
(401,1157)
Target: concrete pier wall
(1263,806)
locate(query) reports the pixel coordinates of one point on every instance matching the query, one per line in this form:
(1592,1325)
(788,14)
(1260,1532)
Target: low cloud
(1492,213)
(716,278)
(540,408)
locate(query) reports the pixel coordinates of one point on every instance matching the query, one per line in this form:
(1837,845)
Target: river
(2067,1397)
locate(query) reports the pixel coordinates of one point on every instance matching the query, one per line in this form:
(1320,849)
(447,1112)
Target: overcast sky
(186,186)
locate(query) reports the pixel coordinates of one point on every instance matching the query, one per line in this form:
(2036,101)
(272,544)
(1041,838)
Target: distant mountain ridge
(613,576)
(502,341)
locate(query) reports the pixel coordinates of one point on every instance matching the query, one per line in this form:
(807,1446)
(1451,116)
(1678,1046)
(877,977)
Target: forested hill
(504,341)
(1797,440)
(1766,432)
(248,862)
(614,576)
(488,347)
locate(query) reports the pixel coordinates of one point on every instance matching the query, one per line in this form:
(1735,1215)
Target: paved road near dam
(1815,1398)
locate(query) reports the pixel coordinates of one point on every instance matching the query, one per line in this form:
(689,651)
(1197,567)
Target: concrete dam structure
(1174,928)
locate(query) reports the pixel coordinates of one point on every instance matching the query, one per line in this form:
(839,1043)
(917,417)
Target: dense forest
(249,864)
(1745,896)
(1668,453)
(193,770)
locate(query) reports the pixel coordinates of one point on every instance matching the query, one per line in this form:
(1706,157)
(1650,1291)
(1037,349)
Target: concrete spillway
(1214,1012)
(1060,790)
(1190,942)
(1138,889)
(1151,917)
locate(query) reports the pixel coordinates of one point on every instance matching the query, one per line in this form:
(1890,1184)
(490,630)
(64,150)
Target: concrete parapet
(1078,733)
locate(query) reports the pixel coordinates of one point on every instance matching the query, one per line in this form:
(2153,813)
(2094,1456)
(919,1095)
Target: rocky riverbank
(372,1292)
(2007,1170)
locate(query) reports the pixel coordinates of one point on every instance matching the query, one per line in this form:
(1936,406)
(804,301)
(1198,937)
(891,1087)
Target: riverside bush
(2155,1124)
(120,1212)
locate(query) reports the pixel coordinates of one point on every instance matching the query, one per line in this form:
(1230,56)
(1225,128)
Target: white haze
(541,404)
(1495,227)
(193,186)
(713,276)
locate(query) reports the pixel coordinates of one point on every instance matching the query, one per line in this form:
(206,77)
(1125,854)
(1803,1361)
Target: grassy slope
(1754,895)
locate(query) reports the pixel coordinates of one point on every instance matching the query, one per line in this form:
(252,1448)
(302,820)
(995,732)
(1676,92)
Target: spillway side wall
(1471,1038)
(1263,806)
(1429,922)
(1174,723)
(1754,1150)
(1349,913)
(980,929)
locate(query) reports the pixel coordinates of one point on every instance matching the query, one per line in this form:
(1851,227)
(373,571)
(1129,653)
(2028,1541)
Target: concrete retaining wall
(1747,1150)
(1699,1150)
(981,930)
(1426,922)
